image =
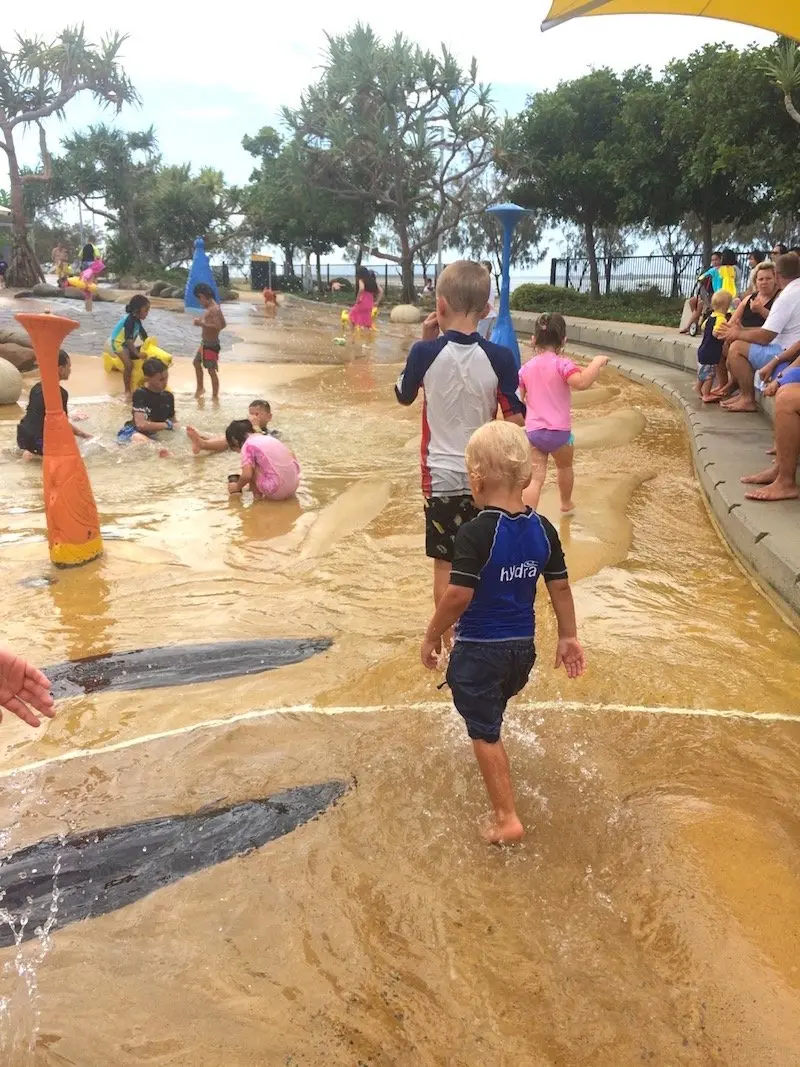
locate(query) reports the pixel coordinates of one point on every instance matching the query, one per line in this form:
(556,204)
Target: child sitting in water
(498,559)
(129,335)
(212,323)
(268,467)
(260,415)
(153,407)
(30,431)
(545,384)
(709,354)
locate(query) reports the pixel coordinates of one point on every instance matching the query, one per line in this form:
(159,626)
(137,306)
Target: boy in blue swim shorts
(499,557)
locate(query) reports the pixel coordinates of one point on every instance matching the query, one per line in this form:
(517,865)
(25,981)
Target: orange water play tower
(73,527)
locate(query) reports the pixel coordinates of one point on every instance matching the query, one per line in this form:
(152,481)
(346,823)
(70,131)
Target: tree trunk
(23,270)
(320,286)
(409,295)
(790,107)
(591,255)
(288,261)
(708,240)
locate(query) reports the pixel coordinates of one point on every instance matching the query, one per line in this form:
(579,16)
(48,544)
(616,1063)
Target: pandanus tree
(37,80)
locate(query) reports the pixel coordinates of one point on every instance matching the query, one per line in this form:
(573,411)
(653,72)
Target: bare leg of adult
(533,491)
(740,369)
(566,476)
(694,304)
(787,441)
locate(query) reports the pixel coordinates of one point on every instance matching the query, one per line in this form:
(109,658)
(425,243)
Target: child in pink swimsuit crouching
(268,467)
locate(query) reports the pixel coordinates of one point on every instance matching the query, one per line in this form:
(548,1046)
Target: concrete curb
(724,447)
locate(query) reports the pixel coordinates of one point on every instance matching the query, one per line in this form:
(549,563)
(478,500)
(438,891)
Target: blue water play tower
(503,333)
(200,271)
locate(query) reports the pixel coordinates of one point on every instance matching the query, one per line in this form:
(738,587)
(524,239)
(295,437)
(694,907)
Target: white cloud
(211,113)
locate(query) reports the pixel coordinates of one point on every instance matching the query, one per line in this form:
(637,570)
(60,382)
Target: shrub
(345,284)
(287,283)
(646,306)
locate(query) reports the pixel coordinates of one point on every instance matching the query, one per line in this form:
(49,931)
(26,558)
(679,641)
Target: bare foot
(740,406)
(195,438)
(505,832)
(164,453)
(568,508)
(766,477)
(711,399)
(776,491)
(28,456)
(772,451)
(199,393)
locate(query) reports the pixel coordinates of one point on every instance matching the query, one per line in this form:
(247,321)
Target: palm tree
(784,70)
(37,80)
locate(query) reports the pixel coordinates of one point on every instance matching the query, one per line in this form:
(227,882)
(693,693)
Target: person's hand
(570,653)
(169,425)
(24,690)
(766,372)
(233,488)
(430,327)
(727,332)
(601,361)
(197,322)
(430,653)
(771,388)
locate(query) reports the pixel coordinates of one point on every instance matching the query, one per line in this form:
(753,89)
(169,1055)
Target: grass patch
(648,307)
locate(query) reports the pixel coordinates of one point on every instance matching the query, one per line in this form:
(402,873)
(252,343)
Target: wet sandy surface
(653,913)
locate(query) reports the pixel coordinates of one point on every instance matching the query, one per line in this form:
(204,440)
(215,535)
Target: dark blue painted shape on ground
(107,869)
(155,668)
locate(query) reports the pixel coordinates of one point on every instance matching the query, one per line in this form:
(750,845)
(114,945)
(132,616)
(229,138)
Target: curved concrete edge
(724,447)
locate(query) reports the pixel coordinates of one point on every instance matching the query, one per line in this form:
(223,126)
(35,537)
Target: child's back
(277,470)
(548,400)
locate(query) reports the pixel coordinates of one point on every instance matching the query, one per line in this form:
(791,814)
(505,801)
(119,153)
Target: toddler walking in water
(360,313)
(545,383)
(268,466)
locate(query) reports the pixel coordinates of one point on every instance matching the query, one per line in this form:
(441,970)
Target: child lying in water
(153,407)
(268,467)
(260,415)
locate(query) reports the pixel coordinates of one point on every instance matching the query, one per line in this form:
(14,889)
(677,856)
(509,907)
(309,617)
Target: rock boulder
(20,356)
(405,313)
(10,383)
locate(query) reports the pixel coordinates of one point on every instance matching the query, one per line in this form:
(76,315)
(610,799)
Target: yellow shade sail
(780,16)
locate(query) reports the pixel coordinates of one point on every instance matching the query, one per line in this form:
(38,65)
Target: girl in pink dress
(545,384)
(268,467)
(360,313)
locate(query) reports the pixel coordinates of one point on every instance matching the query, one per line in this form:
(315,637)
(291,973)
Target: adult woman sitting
(751,313)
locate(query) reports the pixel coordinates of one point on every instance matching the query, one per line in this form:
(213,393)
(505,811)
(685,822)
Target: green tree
(481,235)
(561,152)
(282,206)
(38,79)
(400,131)
(783,66)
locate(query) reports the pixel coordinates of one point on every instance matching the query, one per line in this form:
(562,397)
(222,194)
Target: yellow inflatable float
(148,350)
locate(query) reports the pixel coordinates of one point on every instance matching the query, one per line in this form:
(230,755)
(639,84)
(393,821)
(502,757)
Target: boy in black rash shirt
(153,407)
(498,558)
(30,431)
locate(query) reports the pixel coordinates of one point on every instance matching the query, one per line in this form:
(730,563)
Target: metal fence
(673,276)
(388,274)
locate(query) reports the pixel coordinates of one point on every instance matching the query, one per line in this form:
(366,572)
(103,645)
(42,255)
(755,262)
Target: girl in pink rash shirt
(268,467)
(545,384)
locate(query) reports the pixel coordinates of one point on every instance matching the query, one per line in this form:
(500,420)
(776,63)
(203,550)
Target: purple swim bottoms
(550,440)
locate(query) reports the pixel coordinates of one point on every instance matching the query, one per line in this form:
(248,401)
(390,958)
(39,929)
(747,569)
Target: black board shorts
(444,517)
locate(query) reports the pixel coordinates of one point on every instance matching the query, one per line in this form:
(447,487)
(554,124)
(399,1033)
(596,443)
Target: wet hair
(203,289)
(500,453)
(721,300)
(63,359)
(262,404)
(137,303)
(153,366)
(464,287)
(788,266)
(369,280)
(550,331)
(237,432)
(729,258)
(782,249)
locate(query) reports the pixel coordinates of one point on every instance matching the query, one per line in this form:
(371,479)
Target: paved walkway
(725,446)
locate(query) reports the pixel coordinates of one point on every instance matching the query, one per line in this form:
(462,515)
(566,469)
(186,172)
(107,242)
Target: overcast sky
(205,82)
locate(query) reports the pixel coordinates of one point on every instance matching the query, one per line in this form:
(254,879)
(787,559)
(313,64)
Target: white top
(784,319)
